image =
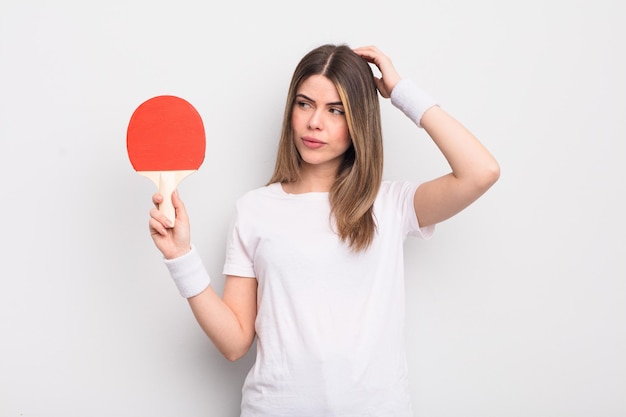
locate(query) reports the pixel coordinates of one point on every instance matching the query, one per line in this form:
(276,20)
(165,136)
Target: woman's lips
(312,143)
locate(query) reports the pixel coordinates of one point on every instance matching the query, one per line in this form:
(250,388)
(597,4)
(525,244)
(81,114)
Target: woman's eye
(337,111)
(303,104)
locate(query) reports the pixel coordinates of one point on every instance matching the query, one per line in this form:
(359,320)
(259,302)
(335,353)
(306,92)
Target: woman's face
(320,129)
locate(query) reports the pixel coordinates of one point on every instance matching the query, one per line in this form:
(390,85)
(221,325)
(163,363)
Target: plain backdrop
(516,307)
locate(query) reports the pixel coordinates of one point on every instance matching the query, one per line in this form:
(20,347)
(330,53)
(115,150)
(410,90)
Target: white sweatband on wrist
(188,273)
(412,100)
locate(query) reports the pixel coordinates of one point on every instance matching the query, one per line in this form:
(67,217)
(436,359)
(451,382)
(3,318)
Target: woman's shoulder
(261,192)
(396,188)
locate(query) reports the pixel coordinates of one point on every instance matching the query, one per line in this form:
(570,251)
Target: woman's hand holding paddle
(173,242)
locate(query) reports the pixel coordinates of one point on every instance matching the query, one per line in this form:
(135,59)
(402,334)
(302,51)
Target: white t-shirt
(330,322)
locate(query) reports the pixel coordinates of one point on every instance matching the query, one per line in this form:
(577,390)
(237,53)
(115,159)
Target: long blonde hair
(359,176)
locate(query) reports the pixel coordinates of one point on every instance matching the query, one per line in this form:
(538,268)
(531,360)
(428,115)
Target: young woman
(314,261)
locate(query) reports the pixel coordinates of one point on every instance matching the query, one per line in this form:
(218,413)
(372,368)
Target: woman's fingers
(158,222)
(177,203)
(157,199)
(179,206)
(389,76)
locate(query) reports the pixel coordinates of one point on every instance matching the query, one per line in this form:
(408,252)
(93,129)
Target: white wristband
(188,273)
(412,100)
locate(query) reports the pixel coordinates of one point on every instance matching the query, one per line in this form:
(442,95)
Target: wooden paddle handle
(167,181)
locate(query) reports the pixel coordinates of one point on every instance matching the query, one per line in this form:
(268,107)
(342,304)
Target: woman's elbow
(489,176)
(235,353)
(233,357)
(493,173)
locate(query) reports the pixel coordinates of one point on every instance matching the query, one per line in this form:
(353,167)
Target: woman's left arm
(474,169)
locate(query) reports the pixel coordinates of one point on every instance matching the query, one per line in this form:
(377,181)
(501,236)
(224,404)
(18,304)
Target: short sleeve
(239,253)
(402,194)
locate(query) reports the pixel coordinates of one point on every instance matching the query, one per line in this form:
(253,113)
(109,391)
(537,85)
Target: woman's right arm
(228,321)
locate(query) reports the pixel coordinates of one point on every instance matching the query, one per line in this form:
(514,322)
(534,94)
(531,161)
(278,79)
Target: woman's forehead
(319,89)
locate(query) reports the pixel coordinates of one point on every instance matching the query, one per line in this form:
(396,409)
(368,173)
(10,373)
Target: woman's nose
(315,121)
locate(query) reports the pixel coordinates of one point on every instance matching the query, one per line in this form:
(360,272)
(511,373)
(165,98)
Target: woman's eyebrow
(304,96)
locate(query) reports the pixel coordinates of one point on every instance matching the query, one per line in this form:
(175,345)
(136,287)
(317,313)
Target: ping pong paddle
(166,143)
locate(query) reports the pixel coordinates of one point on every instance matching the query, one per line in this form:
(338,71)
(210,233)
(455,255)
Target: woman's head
(353,79)
(359,175)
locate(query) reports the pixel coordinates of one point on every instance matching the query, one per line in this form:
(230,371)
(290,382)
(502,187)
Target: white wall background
(517,307)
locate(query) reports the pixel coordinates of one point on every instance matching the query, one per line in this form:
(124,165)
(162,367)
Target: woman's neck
(311,180)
